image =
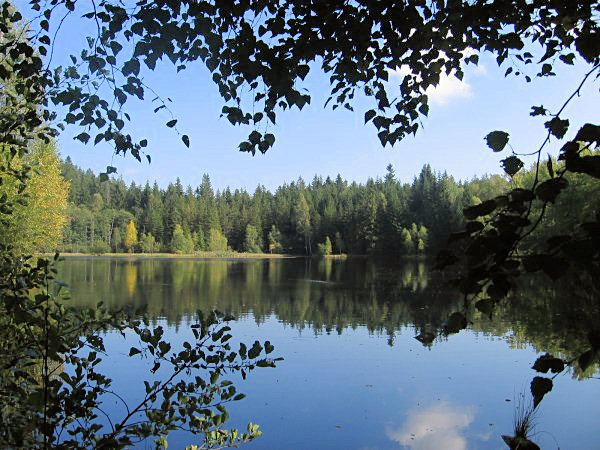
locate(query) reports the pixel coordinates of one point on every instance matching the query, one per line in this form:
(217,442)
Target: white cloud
(480,70)
(449,88)
(439,426)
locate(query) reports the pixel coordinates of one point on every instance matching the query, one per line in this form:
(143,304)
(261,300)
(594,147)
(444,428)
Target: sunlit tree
(131,239)
(38,220)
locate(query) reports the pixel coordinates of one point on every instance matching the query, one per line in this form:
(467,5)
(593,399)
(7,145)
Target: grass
(524,420)
(523,424)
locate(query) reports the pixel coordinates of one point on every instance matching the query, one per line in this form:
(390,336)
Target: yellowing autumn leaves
(37,225)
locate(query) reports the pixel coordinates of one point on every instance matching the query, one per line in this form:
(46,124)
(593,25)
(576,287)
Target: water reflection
(330,319)
(329,296)
(435,427)
(322,294)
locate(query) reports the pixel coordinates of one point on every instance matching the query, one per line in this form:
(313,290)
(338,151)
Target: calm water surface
(353,376)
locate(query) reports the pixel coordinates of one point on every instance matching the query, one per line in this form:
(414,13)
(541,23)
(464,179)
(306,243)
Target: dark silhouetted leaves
(497,140)
(547,363)
(557,127)
(521,195)
(456,322)
(369,115)
(538,111)
(548,190)
(83,137)
(512,165)
(588,46)
(589,133)
(540,386)
(553,266)
(483,209)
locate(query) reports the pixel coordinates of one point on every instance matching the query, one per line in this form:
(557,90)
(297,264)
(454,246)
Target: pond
(353,375)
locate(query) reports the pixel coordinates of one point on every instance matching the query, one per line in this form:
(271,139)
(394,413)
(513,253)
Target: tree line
(384,216)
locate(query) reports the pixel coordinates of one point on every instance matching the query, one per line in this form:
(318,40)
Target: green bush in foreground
(51,388)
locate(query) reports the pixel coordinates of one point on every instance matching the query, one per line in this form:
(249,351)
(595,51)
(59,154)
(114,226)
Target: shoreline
(220,256)
(200,255)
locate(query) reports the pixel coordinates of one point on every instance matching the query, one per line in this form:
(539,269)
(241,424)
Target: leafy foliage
(260,54)
(325,248)
(52,390)
(36,219)
(130,241)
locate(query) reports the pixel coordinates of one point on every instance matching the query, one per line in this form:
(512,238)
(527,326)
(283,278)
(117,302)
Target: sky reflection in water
(353,375)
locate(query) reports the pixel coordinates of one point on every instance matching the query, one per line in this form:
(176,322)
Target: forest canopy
(382,217)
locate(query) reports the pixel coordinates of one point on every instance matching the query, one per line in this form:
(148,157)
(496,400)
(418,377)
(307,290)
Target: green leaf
(497,140)
(269,139)
(548,362)
(369,115)
(483,209)
(512,165)
(133,351)
(589,133)
(186,140)
(246,146)
(550,167)
(557,127)
(538,111)
(568,58)
(255,350)
(588,45)
(83,137)
(549,189)
(540,386)
(164,347)
(131,67)
(172,123)
(268,347)
(302,71)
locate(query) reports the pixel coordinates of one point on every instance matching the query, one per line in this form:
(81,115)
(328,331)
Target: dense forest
(384,216)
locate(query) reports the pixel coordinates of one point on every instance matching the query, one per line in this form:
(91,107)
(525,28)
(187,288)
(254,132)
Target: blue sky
(324,142)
